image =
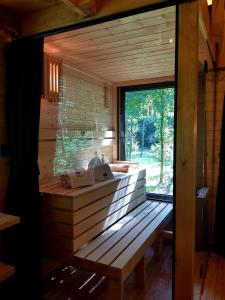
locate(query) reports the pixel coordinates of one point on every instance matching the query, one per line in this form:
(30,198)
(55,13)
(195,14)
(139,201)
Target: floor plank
(214,285)
(159,280)
(158,284)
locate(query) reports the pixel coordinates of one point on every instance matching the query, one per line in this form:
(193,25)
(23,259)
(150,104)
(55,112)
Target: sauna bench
(105,228)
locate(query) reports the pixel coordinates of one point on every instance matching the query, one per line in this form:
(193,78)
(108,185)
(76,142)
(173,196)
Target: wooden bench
(105,228)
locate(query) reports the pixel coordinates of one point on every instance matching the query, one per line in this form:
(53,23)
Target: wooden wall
(72,130)
(218,116)
(4,163)
(209,108)
(209,111)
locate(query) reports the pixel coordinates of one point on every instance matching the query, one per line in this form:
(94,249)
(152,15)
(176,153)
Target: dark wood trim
(104,19)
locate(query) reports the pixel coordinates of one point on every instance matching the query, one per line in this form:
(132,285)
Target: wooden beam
(187,91)
(60,15)
(205,26)
(72,4)
(88,6)
(217,20)
(84,8)
(220,61)
(204,19)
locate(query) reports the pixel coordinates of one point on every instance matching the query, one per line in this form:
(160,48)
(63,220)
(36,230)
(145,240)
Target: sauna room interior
(111,177)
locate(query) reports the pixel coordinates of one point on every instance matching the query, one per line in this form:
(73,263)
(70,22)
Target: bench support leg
(140,274)
(115,289)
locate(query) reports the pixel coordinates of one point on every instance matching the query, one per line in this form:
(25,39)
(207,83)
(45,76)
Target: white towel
(77,178)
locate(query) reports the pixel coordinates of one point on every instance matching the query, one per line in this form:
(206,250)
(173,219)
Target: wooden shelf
(6,271)
(8,221)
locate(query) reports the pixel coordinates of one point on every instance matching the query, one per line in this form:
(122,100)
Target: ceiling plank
(128,49)
(126,58)
(155,16)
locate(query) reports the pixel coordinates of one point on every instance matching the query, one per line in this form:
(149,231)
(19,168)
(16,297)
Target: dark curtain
(219,233)
(23,92)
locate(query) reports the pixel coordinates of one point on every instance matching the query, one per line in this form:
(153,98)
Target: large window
(146,133)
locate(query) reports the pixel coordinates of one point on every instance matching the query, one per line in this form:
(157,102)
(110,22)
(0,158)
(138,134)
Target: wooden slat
(147,38)
(92,245)
(124,264)
(123,48)
(120,247)
(91,48)
(97,229)
(95,212)
(107,212)
(116,24)
(167,65)
(8,220)
(130,257)
(96,206)
(109,34)
(126,56)
(67,238)
(6,271)
(139,77)
(78,198)
(111,242)
(137,63)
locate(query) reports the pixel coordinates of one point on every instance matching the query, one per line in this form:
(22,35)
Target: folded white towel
(77,178)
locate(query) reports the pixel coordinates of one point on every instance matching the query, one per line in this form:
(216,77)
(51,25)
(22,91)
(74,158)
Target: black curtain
(219,232)
(23,92)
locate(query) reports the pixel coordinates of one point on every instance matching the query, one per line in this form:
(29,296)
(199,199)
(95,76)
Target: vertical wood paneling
(187,90)
(4,164)
(219,102)
(81,108)
(209,108)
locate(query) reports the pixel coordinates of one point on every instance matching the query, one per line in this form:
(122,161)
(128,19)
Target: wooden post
(115,289)
(187,90)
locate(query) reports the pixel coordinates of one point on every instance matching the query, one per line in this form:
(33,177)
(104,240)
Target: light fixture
(209,2)
(52,66)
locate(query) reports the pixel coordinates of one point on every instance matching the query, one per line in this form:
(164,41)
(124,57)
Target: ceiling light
(209,2)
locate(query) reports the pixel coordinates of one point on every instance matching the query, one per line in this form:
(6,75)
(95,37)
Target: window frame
(121,91)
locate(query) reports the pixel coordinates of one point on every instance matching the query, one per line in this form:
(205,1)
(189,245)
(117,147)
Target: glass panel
(149,135)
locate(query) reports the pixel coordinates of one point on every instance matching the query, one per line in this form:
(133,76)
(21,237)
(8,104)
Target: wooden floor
(159,279)
(214,284)
(158,283)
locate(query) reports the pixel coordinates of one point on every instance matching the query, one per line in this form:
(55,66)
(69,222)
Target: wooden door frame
(185,157)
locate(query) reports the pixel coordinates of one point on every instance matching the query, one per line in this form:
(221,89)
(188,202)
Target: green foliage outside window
(149,135)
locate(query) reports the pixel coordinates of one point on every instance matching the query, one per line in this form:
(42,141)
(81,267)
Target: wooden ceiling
(136,47)
(27,6)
